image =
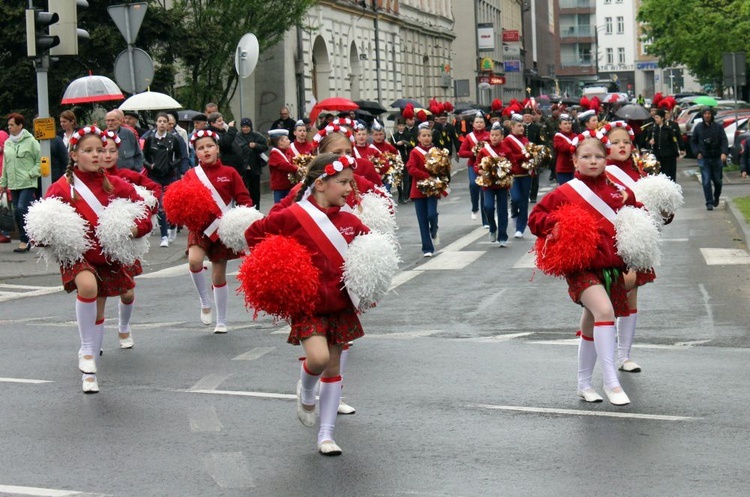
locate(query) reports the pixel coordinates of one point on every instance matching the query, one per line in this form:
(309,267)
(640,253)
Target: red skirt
(216,251)
(135,269)
(338,328)
(112,280)
(579,282)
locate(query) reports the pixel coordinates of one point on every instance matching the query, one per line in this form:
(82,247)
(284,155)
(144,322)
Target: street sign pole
(131,63)
(239,82)
(42,66)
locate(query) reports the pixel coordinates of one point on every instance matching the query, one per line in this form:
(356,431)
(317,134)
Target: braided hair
(319,167)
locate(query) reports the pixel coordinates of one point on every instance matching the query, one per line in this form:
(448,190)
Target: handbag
(7,219)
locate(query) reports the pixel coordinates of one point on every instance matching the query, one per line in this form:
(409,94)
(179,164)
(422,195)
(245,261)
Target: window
(608,25)
(610,56)
(621,55)
(620,25)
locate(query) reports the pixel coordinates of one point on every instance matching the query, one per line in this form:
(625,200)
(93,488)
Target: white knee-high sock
(124,311)
(98,339)
(604,341)
(330,395)
(625,334)
(86,319)
(344,356)
(586,361)
(309,381)
(199,280)
(221,295)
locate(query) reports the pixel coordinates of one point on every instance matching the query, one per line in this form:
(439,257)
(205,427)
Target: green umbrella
(704,100)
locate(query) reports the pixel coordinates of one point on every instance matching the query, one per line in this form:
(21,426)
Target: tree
(696,33)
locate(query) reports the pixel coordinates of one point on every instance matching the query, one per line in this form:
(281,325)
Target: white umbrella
(150,100)
(91,89)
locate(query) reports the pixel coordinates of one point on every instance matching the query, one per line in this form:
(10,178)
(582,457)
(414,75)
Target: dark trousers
(534,187)
(711,172)
(404,188)
(519,193)
(492,199)
(252,183)
(669,167)
(278,195)
(427,218)
(21,200)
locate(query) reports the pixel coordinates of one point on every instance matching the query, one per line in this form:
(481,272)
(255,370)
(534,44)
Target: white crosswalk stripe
(13,292)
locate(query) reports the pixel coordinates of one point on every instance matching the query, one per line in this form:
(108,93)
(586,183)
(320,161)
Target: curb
(739,221)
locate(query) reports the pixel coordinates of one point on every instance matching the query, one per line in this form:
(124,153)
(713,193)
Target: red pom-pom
(497,105)
(422,115)
(448,107)
(574,245)
(657,98)
(278,278)
(435,106)
(408,111)
(595,104)
(189,203)
(585,103)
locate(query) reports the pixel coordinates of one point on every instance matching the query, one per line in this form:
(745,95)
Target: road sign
(511,35)
(44,128)
(512,51)
(734,69)
(128,19)
(491,80)
(246,55)
(512,65)
(139,79)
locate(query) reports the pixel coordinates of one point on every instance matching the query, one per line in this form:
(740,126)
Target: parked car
(692,115)
(741,134)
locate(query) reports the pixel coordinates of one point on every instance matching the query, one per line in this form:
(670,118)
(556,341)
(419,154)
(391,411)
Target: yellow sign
(487,64)
(45,167)
(44,128)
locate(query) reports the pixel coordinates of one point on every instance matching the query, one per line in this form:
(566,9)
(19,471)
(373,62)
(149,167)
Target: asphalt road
(464,384)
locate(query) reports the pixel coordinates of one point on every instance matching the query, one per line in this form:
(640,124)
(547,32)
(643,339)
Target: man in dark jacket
(230,152)
(284,121)
(709,142)
(664,144)
(254,163)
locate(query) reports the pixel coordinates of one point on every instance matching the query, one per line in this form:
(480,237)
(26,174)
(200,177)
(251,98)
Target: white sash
(472,137)
(217,199)
(286,158)
(419,150)
(332,233)
(519,143)
(88,196)
(294,150)
(490,151)
(621,176)
(570,141)
(593,199)
(356,153)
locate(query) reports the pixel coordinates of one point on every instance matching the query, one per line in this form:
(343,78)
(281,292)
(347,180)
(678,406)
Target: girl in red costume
(363,149)
(478,134)
(495,194)
(226,188)
(600,289)
(279,164)
(300,145)
(378,139)
(562,141)
(425,206)
(318,213)
(126,303)
(514,148)
(89,190)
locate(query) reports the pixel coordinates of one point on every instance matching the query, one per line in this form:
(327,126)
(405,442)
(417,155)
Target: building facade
(575,50)
(539,46)
(617,42)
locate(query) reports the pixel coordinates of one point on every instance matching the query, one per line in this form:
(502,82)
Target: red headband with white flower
(619,124)
(111,135)
(337,166)
(86,130)
(204,133)
(597,135)
(331,128)
(343,121)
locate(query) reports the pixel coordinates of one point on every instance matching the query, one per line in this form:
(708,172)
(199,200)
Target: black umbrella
(464,106)
(633,111)
(570,101)
(187,115)
(370,106)
(403,102)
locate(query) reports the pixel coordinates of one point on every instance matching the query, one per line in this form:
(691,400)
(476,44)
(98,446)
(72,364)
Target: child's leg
(317,358)
(344,408)
(221,294)
(586,351)
(626,333)
(596,300)
(124,311)
(330,395)
(420,207)
(195,261)
(86,311)
(432,217)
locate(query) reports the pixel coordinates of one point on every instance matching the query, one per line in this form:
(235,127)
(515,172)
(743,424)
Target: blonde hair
(106,184)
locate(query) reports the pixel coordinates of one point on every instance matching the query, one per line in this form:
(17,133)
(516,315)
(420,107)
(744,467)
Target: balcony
(579,61)
(577,4)
(585,31)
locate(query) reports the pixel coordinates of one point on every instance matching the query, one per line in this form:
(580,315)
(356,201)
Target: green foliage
(696,33)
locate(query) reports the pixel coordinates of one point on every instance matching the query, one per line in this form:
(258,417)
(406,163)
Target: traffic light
(38,41)
(67,29)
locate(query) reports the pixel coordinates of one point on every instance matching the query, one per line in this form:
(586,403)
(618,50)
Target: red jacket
(227,182)
(541,223)
(561,143)
(484,153)
(417,171)
(628,166)
(135,178)
(363,186)
(304,148)
(122,189)
(515,155)
(468,144)
(366,168)
(385,147)
(365,151)
(280,165)
(333,297)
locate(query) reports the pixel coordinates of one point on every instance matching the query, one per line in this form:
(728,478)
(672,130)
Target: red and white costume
(385,148)
(514,149)
(471,140)
(280,165)
(299,148)
(489,151)
(416,167)
(562,143)
(365,151)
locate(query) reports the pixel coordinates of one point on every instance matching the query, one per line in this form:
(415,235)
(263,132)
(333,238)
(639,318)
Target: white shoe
(329,448)
(503,243)
(629,366)
(345,408)
(220,328)
(590,395)
(306,417)
(486,226)
(436,240)
(473,216)
(207,317)
(127,343)
(493,237)
(87,366)
(172,235)
(427,254)
(164,242)
(617,398)
(518,234)
(90,385)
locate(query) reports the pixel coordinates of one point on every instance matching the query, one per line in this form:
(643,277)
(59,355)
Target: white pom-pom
(114,231)
(59,230)
(661,196)
(637,238)
(148,198)
(370,263)
(376,212)
(234,223)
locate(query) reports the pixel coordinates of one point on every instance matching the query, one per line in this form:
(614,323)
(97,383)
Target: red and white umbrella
(92,89)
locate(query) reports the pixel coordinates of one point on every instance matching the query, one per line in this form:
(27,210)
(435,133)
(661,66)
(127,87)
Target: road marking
(170,272)
(404,334)
(466,240)
(229,469)
(576,412)
(402,277)
(707,307)
(24,320)
(27,291)
(253,354)
(675,239)
(449,260)
(526,261)
(23,380)
(724,257)
(203,419)
(240,393)
(41,492)
(499,338)
(210,382)
(284,330)
(674,346)
(690,214)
